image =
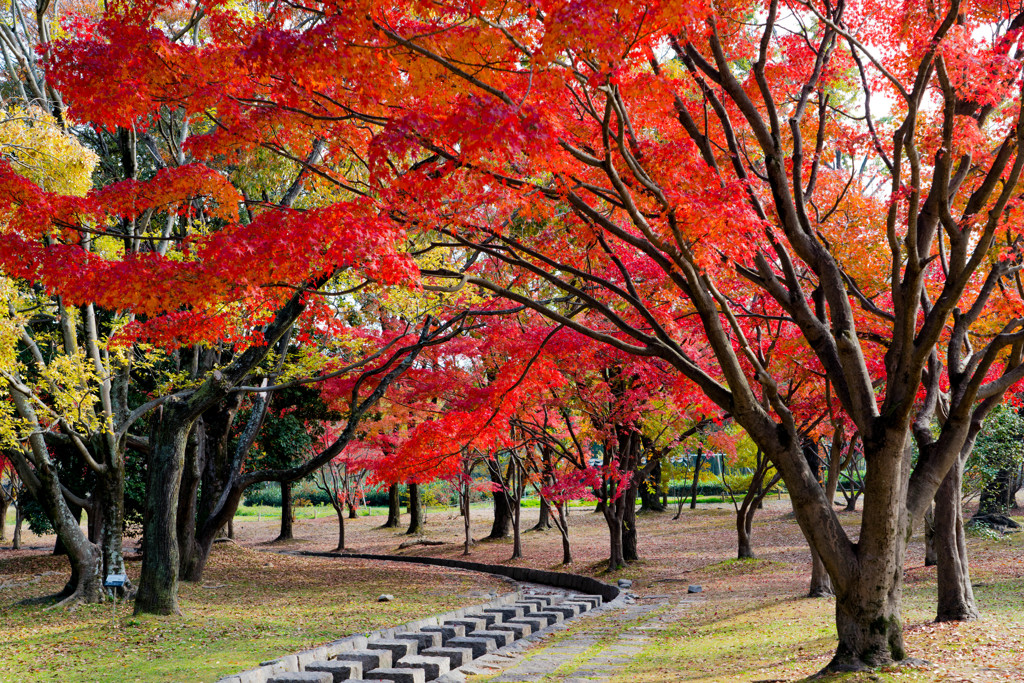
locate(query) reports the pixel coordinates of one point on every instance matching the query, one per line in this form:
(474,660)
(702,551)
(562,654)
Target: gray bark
(955,596)
(415,510)
(287,532)
(394,508)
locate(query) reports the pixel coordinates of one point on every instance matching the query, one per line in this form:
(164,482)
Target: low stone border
(576,582)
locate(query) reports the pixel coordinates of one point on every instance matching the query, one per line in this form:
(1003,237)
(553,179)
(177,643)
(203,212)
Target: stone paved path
(594,649)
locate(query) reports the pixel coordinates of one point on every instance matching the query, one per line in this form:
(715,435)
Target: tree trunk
(955,595)
(40,478)
(4,505)
(394,508)
(650,495)
(868,593)
(95,513)
(544,518)
(231,528)
(158,583)
(16,539)
(744,550)
(821,584)
(340,510)
(467,527)
(869,626)
(112,523)
(930,558)
(629,531)
(415,510)
(616,559)
(191,475)
(698,463)
(352,511)
(752,502)
(517,540)
(86,582)
(209,531)
(563,528)
(501,527)
(59,548)
(287,533)
(210,464)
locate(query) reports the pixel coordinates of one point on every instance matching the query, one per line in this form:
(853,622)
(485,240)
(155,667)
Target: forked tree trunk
(752,501)
(394,508)
(208,462)
(208,533)
(955,595)
(415,510)
(868,595)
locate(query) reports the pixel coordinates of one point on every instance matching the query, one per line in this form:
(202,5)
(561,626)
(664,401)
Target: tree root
(846,664)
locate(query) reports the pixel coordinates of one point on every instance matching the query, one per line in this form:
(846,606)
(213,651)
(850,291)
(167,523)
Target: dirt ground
(766,595)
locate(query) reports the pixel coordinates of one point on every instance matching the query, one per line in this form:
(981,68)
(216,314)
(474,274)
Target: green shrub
(738,483)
